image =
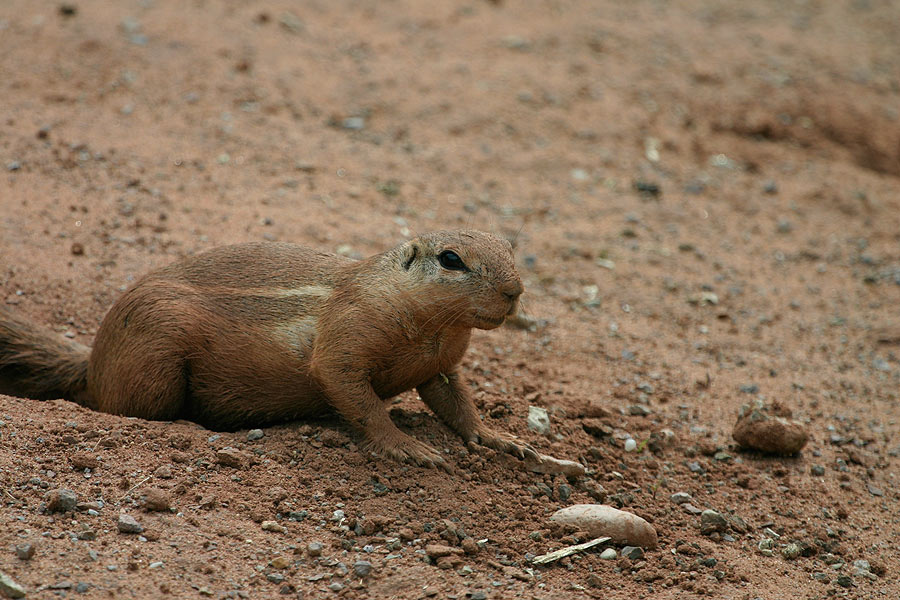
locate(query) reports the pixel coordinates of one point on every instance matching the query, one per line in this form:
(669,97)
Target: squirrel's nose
(512,290)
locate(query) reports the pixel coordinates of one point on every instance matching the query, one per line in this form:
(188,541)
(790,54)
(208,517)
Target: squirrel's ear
(409,255)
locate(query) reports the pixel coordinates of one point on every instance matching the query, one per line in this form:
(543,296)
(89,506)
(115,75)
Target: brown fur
(247,335)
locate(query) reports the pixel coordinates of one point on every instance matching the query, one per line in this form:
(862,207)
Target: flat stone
(440,550)
(9,587)
(554,466)
(229,457)
(600,520)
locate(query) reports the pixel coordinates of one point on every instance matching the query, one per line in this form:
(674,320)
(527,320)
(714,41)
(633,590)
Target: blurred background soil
(704,201)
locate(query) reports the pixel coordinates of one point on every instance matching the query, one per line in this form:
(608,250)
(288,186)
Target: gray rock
(25,551)
(61,500)
(712,522)
(336,586)
(564,491)
(633,552)
(9,587)
(82,587)
(680,498)
(875,490)
(255,434)
(362,569)
(608,554)
(690,509)
(354,123)
(766,547)
(128,524)
(538,420)
(314,549)
(817,470)
(844,581)
(639,410)
(791,551)
(275,577)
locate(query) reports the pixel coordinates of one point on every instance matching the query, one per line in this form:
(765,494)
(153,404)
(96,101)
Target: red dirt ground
(642,155)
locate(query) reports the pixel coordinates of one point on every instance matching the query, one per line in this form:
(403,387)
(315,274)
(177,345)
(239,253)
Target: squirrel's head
(468,278)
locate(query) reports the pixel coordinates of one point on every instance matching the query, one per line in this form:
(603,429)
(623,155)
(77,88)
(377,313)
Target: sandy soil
(647,158)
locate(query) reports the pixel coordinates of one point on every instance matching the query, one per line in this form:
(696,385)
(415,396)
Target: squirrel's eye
(451,260)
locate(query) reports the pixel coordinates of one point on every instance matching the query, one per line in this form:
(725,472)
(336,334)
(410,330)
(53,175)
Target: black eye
(451,260)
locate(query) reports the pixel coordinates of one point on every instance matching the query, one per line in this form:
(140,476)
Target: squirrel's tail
(34,363)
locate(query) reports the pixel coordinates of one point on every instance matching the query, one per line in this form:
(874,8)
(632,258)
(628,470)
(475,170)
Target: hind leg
(139,383)
(138,365)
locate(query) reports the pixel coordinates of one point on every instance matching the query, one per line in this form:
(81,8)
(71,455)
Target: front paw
(502,442)
(404,448)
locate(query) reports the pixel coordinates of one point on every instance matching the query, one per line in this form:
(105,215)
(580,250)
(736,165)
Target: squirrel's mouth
(486,322)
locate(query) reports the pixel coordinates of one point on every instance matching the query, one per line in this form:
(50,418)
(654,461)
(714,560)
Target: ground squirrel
(258,333)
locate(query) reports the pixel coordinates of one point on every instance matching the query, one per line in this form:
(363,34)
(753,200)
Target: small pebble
(255,434)
(128,524)
(711,522)
(791,551)
(633,552)
(769,428)
(314,549)
(154,499)
(362,569)
(273,526)
(630,445)
(680,498)
(538,420)
(25,551)
(608,554)
(61,500)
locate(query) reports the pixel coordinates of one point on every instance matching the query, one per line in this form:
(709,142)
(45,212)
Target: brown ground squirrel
(258,333)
